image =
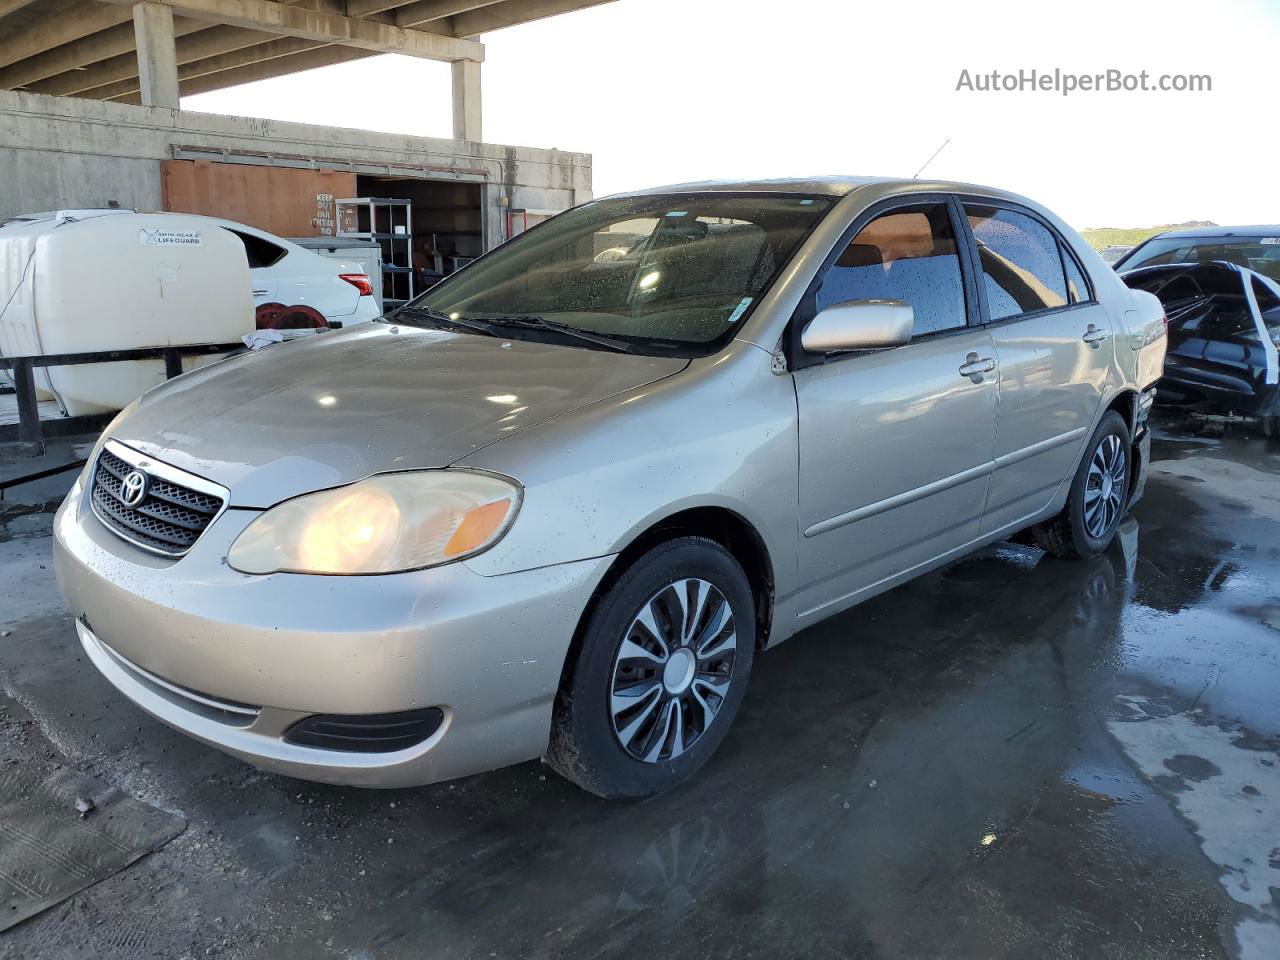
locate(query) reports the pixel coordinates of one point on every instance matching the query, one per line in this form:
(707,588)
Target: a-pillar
(157,57)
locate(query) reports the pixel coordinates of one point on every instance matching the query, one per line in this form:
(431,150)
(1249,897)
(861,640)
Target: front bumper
(488,651)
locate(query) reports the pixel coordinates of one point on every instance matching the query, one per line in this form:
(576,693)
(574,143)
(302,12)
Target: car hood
(336,408)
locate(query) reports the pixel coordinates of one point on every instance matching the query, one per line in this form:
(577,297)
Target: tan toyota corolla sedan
(555,506)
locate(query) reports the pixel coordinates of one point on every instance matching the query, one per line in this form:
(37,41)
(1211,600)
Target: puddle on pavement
(1198,712)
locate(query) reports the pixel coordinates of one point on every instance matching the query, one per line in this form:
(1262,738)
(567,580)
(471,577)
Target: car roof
(833,186)
(830,186)
(1221,233)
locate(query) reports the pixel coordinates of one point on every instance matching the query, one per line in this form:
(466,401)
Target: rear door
(1055,348)
(895,445)
(314,281)
(294,290)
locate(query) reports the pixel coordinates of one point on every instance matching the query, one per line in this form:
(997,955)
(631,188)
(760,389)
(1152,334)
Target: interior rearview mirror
(859,325)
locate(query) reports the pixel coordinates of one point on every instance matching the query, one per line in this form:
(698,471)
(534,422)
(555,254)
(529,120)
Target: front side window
(909,255)
(672,271)
(1021,266)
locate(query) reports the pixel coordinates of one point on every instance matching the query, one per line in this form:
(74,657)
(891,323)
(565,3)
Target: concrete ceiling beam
(208,42)
(61,27)
(433,11)
(43,72)
(296,21)
(510,13)
(11,6)
(282,66)
(362,8)
(273,49)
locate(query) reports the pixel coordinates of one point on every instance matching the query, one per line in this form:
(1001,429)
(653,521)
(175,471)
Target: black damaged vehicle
(1221,292)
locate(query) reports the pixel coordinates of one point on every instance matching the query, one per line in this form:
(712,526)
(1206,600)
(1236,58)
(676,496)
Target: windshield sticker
(1271,239)
(168,238)
(677,213)
(739,310)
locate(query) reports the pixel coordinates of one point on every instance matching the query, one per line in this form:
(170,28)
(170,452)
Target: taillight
(360,281)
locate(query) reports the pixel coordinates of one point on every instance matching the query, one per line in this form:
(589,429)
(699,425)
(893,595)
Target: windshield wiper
(435,316)
(621,346)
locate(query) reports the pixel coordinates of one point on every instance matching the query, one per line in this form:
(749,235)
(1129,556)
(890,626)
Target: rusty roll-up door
(281,200)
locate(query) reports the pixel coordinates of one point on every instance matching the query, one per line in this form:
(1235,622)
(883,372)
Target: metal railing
(30,435)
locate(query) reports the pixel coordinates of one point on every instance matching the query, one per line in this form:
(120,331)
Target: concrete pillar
(157,56)
(466,100)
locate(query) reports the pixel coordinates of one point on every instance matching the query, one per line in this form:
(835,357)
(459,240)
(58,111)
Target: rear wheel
(1098,497)
(661,672)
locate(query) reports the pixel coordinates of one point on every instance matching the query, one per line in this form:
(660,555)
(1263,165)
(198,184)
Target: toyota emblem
(133,488)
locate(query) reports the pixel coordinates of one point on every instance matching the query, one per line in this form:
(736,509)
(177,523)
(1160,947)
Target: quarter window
(1021,267)
(1077,285)
(261,253)
(908,255)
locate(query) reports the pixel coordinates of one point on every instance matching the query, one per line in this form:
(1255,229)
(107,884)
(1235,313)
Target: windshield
(1257,253)
(679,271)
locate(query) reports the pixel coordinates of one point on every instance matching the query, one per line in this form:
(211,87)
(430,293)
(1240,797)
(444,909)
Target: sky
(665,91)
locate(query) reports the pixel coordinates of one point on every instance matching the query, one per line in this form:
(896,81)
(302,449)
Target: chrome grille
(170,517)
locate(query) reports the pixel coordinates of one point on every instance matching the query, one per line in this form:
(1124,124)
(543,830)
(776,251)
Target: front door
(895,444)
(1055,350)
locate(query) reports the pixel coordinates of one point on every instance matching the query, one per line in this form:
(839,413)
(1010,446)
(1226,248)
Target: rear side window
(261,253)
(1021,268)
(909,255)
(1077,285)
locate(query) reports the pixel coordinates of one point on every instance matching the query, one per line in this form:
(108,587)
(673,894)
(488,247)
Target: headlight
(388,523)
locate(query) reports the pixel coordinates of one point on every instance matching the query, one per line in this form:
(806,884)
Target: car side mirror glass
(859,325)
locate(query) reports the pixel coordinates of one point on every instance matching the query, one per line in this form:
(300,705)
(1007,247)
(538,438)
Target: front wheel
(660,674)
(1098,497)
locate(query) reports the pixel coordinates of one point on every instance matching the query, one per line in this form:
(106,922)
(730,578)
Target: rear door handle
(1094,335)
(975,366)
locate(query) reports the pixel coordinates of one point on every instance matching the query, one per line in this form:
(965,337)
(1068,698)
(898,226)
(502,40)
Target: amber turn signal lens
(477,527)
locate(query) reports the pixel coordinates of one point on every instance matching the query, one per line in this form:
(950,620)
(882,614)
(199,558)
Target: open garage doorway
(440,230)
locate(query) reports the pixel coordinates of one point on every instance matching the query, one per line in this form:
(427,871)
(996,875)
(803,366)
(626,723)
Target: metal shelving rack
(389,222)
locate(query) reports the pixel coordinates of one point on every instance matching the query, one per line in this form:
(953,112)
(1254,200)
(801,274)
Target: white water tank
(77,281)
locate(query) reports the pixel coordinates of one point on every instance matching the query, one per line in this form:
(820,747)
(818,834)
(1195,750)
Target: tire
(1078,531)
(635,752)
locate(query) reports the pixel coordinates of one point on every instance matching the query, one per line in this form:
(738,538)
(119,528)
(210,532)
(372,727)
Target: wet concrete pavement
(1013,757)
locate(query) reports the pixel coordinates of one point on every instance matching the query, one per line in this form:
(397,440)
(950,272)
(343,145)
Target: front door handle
(1094,336)
(975,366)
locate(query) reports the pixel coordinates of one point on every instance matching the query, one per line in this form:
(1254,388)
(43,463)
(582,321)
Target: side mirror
(859,325)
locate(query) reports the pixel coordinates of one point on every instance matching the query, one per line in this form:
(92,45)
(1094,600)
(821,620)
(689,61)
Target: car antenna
(931,157)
